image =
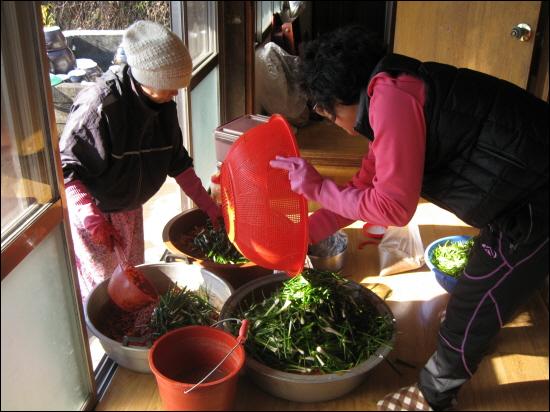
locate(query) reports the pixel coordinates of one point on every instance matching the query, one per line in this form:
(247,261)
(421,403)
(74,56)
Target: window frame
(31,229)
(212,52)
(40,222)
(27,230)
(178,16)
(264,30)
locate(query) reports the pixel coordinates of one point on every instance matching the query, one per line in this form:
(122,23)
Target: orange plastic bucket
(182,357)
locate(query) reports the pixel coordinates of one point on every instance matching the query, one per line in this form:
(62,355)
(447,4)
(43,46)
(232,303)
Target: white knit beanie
(158,58)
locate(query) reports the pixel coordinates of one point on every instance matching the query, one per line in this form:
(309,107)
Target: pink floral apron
(94,262)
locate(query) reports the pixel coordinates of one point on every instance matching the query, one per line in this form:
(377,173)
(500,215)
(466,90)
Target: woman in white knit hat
(122,139)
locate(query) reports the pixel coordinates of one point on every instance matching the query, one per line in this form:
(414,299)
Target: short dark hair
(337,66)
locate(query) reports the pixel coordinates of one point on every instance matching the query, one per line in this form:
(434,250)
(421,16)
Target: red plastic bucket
(182,357)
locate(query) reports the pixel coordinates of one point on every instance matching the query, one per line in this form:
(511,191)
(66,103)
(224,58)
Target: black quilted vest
(486,145)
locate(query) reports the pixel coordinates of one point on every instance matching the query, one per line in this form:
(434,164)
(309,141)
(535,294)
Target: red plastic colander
(264,218)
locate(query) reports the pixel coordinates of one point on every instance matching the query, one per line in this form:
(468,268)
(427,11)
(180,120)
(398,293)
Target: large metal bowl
(184,223)
(160,274)
(301,387)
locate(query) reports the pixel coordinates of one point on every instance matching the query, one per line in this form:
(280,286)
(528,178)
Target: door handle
(521,32)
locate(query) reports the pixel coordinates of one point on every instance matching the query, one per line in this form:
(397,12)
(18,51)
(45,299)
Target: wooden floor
(514,375)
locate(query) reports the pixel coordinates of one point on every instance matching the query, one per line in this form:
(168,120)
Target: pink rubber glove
(192,186)
(102,232)
(346,201)
(304,179)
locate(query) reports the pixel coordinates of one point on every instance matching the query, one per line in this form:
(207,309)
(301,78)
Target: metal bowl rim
(358,370)
(201,260)
(138,349)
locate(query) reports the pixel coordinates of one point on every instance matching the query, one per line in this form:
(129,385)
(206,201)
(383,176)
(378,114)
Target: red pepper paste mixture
(176,308)
(118,323)
(140,281)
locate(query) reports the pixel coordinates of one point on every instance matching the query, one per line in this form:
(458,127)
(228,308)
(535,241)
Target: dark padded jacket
(486,144)
(120,144)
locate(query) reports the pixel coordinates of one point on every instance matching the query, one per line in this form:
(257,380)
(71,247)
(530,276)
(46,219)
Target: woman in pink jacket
(466,141)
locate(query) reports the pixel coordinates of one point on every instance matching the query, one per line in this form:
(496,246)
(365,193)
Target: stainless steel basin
(302,387)
(192,276)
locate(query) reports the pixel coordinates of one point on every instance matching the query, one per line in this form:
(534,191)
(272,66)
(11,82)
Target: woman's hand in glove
(214,213)
(346,201)
(304,179)
(192,186)
(102,232)
(82,204)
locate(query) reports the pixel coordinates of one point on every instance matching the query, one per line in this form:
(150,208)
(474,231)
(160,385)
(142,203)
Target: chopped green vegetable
(315,323)
(181,307)
(451,257)
(216,246)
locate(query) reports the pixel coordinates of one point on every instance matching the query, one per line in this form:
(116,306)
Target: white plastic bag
(400,249)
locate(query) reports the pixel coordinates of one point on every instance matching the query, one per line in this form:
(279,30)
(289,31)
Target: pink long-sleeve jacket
(387,188)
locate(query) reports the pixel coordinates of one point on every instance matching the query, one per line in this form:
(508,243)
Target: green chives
(315,324)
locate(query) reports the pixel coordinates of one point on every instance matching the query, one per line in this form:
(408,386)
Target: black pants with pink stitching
(499,277)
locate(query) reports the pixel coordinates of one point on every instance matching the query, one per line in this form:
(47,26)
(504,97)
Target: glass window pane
(198,33)
(267,14)
(26,176)
(204,120)
(103,15)
(43,358)
(264,16)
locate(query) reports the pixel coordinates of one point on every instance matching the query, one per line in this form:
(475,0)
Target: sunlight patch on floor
(96,350)
(523,319)
(430,214)
(528,368)
(417,286)
(162,207)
